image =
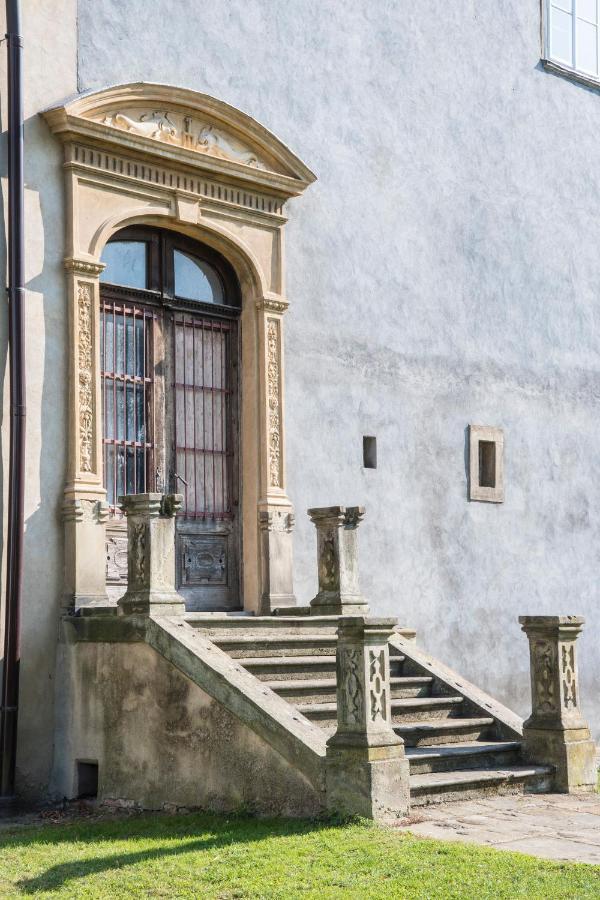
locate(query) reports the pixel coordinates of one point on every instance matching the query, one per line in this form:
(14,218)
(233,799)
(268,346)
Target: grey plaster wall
(50,58)
(444,269)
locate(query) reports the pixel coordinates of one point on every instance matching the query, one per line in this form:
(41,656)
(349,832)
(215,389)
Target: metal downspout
(16,477)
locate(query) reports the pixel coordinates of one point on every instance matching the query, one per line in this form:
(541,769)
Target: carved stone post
(275,513)
(556,733)
(337,553)
(367,771)
(84,508)
(151,554)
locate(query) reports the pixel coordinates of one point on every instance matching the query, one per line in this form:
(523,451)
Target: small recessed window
(486,463)
(369,452)
(572,35)
(196,280)
(126,264)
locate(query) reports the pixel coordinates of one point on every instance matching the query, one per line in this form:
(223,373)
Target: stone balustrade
(337,553)
(367,771)
(151,585)
(556,732)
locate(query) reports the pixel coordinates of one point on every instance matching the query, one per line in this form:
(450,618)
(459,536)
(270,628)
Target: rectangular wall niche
(486,463)
(369,452)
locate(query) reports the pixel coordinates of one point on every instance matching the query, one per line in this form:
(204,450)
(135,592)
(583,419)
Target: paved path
(553,826)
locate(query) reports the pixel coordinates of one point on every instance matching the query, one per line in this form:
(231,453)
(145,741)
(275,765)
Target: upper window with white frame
(573,34)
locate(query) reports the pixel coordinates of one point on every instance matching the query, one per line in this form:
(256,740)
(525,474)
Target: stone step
(219,624)
(470,755)
(404,710)
(281,668)
(445,731)
(438,787)
(277,645)
(323,690)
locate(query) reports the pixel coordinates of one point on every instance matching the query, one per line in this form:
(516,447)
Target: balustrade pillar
(556,732)
(151,554)
(367,771)
(337,554)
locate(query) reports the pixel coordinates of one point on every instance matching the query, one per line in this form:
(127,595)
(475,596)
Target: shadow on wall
(46,356)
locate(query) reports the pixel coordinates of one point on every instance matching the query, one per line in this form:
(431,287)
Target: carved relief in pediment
(184,131)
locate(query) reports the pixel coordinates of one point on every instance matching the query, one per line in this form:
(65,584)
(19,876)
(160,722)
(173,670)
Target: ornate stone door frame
(152,154)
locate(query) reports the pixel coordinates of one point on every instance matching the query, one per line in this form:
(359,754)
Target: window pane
(586,9)
(125,264)
(195,280)
(561,36)
(587,47)
(567,5)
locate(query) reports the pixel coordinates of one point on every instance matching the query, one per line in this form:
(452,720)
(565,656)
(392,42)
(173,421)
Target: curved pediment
(186,126)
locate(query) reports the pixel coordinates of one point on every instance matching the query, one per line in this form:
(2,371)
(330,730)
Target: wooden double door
(170,400)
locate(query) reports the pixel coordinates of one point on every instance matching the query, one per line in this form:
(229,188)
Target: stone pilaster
(275,513)
(337,554)
(151,554)
(84,508)
(556,733)
(367,771)
(276,560)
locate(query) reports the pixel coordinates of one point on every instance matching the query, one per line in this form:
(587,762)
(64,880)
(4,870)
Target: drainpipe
(16,345)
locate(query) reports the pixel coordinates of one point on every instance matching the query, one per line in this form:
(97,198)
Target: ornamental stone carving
(86,409)
(337,560)
(274,401)
(556,733)
(366,772)
(176,128)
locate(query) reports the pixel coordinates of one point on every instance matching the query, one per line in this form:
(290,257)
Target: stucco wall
(50,73)
(444,269)
(159,739)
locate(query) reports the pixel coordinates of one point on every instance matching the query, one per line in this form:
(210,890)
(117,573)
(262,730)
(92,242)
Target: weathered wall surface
(443,270)
(158,738)
(50,72)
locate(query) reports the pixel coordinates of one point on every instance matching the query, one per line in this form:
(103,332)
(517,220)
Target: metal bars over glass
(126,353)
(203,414)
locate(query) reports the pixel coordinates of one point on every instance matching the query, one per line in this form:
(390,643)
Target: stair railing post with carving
(367,773)
(337,554)
(556,733)
(151,554)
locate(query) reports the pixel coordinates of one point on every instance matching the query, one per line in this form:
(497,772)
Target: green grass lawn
(210,856)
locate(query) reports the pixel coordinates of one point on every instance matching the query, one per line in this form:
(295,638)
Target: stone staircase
(460,743)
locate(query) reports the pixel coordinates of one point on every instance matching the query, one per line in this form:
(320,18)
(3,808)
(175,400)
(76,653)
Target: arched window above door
(151,259)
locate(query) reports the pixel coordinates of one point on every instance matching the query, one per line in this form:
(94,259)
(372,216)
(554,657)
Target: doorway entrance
(170,403)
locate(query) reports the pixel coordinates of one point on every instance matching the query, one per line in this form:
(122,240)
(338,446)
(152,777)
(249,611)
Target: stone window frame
(178,159)
(477,491)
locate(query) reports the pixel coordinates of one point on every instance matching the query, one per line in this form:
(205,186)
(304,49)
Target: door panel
(203,372)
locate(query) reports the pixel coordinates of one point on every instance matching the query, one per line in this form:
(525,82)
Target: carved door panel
(201,371)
